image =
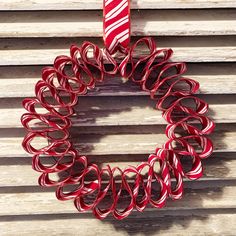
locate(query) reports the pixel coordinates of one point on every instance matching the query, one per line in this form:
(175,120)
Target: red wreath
(156,74)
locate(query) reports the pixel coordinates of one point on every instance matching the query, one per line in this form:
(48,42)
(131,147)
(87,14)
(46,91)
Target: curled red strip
(174,95)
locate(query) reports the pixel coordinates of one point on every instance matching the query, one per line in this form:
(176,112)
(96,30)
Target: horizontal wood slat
(112,141)
(44,51)
(210,84)
(217,197)
(189,223)
(127,111)
(211,76)
(219,167)
(95,4)
(148,22)
(47,56)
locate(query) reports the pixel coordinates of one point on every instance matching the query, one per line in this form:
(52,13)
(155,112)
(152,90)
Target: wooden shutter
(116,123)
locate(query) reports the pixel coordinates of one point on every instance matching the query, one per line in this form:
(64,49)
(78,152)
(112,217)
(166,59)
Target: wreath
(71,76)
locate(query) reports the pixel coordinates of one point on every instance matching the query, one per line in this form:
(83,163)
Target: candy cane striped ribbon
(116,24)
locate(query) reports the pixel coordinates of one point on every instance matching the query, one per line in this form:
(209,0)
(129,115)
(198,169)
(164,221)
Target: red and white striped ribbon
(116,24)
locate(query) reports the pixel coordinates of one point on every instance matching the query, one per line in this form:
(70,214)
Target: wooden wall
(117,123)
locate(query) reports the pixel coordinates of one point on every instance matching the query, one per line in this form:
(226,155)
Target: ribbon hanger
(116,25)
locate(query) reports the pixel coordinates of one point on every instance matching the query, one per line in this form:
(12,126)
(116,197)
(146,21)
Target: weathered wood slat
(8,5)
(210,84)
(122,111)
(188,54)
(211,76)
(188,223)
(148,22)
(25,203)
(219,167)
(161,41)
(128,116)
(109,143)
(190,49)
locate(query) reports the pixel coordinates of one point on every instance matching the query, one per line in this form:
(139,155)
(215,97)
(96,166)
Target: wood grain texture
(189,223)
(213,198)
(127,111)
(111,140)
(220,167)
(43,51)
(210,84)
(211,76)
(148,22)
(94,4)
